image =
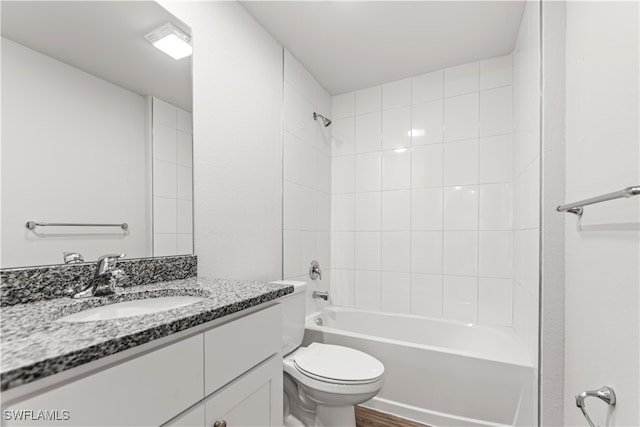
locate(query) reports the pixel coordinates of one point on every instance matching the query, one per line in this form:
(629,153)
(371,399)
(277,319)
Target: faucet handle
(72,257)
(314,270)
(108,262)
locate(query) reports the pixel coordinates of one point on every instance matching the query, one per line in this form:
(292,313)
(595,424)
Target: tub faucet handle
(314,271)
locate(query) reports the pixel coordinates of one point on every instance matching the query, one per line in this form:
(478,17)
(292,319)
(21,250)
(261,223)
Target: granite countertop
(35,345)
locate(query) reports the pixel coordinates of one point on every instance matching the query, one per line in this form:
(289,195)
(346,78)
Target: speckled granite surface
(30,284)
(36,345)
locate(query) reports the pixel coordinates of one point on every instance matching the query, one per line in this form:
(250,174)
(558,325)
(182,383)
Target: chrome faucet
(314,270)
(105,279)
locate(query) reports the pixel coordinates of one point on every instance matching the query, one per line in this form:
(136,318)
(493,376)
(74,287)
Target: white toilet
(322,382)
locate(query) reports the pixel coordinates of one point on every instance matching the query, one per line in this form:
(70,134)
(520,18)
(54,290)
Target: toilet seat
(338,386)
(337,364)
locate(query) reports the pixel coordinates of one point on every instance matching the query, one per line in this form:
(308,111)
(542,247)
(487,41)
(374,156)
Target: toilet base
(333,416)
(301,411)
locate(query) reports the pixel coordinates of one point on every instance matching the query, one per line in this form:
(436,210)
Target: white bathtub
(438,372)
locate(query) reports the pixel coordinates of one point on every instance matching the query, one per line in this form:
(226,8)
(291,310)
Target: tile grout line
(353,182)
(381,186)
(478,206)
(442,204)
(411,195)
(354,198)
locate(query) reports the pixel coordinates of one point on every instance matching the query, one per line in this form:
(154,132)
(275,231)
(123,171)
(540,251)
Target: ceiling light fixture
(171,41)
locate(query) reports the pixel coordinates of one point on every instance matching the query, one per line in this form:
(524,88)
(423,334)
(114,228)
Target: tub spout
(321,294)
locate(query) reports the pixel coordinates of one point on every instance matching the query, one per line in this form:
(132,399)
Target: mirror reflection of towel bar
(31,225)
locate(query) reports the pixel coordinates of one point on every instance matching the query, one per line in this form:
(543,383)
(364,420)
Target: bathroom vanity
(214,361)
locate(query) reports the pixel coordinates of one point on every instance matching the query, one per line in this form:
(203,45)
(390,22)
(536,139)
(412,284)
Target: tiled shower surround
(430,197)
(422,195)
(307,177)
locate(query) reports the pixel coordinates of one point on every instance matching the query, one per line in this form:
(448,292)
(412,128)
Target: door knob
(222,423)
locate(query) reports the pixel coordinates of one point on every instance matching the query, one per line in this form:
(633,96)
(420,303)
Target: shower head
(325,120)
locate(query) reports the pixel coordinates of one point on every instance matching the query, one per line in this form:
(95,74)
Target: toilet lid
(340,363)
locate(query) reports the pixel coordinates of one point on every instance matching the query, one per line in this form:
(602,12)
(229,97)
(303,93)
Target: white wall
(307,178)
(422,195)
(237,103)
(172,179)
(554,23)
(602,306)
(73,150)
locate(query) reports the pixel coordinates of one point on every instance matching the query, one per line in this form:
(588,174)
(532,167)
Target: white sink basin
(131,308)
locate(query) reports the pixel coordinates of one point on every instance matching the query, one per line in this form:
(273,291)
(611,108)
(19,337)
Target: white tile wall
(396,210)
(460,298)
(462,79)
(396,94)
(369,100)
(461,162)
(427,87)
(396,172)
(426,294)
(461,116)
(395,292)
(367,255)
(368,211)
(526,179)
(367,290)
(368,172)
(427,166)
(422,214)
(368,132)
(426,123)
(396,126)
(311,232)
(172,179)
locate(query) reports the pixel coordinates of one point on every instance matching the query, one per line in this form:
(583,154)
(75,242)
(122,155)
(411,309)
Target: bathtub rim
(524,362)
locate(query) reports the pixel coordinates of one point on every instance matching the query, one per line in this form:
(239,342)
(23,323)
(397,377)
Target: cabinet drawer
(145,391)
(234,348)
(193,418)
(255,399)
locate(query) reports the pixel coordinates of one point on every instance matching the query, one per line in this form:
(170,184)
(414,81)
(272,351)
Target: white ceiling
(106,39)
(350,45)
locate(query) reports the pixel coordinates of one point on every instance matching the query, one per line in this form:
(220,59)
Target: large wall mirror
(96,129)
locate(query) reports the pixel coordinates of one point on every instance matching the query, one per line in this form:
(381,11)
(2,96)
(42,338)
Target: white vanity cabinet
(254,399)
(230,373)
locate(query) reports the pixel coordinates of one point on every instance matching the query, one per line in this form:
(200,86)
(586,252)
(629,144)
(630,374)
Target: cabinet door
(254,399)
(145,391)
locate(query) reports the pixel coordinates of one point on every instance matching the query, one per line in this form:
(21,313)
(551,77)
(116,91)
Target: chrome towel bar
(31,225)
(577,207)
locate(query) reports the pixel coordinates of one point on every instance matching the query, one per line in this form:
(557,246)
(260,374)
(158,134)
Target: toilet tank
(293,313)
